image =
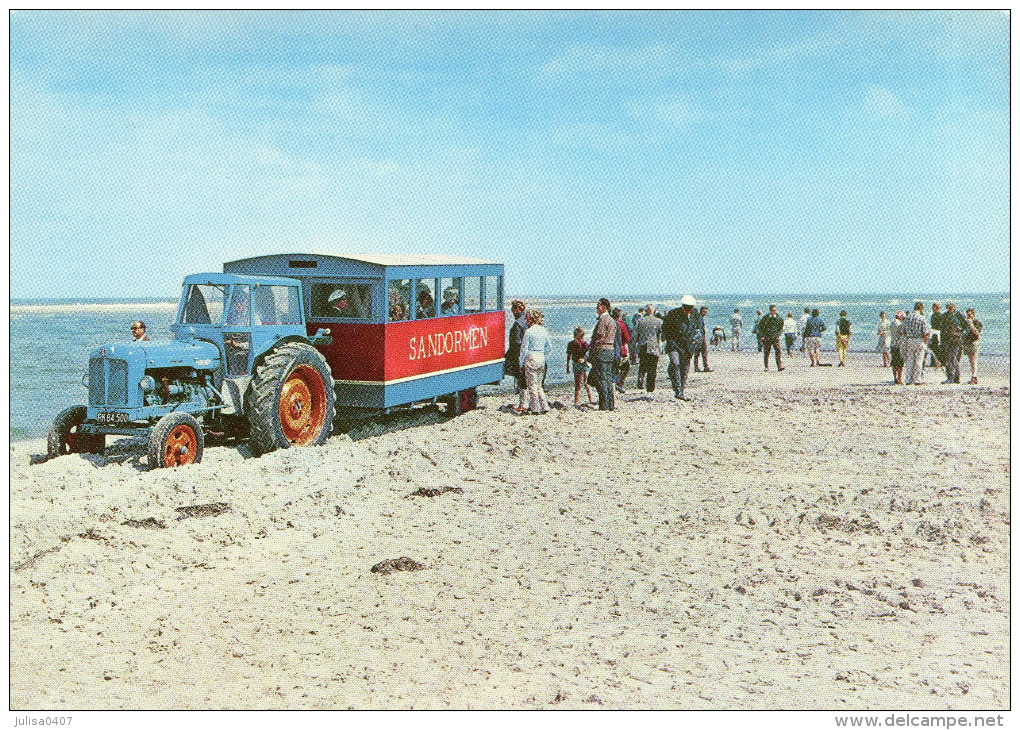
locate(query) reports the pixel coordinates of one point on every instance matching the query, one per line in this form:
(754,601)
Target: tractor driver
(138,331)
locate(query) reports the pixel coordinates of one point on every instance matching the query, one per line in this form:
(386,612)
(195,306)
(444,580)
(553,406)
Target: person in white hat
(682,330)
(339,301)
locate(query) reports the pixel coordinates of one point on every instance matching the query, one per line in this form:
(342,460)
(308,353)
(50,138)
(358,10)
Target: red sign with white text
(426,346)
(400,350)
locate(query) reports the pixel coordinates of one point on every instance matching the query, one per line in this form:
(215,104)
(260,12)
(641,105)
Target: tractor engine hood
(196,354)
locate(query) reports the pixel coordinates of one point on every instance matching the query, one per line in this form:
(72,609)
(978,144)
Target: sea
(51,338)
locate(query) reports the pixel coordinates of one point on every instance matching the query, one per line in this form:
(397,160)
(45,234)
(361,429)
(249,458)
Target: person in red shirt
(624,338)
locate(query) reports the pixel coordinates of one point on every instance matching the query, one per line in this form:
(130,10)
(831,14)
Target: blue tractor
(241,363)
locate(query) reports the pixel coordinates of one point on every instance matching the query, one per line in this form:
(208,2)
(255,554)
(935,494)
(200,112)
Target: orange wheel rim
(181,446)
(303,405)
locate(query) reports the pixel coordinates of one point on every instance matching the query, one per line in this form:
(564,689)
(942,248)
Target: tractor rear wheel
(64,437)
(292,400)
(176,440)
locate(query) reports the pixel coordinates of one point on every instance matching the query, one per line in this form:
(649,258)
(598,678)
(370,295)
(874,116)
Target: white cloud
(881,103)
(586,58)
(675,110)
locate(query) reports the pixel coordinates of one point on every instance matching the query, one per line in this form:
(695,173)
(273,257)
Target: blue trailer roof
(216,277)
(303,265)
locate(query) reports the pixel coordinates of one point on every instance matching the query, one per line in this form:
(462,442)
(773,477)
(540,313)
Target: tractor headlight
(147,383)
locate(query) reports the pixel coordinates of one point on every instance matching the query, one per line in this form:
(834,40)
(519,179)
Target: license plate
(112,417)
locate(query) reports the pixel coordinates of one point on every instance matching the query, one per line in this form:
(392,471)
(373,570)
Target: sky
(590,152)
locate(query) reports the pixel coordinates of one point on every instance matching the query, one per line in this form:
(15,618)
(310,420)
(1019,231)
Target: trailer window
(493,296)
(451,288)
(204,304)
(426,305)
(472,294)
(400,300)
(276,305)
(342,300)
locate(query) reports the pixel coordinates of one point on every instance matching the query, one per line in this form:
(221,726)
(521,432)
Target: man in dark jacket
(770,328)
(511,366)
(936,326)
(954,325)
(682,330)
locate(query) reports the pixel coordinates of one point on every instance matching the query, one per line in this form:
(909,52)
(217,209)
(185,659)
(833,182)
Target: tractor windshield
(203,303)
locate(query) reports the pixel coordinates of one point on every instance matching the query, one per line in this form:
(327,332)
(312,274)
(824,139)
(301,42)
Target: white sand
(809,539)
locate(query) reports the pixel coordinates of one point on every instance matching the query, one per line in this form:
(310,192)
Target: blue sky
(648,152)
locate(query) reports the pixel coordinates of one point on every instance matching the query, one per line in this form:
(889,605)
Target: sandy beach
(811,539)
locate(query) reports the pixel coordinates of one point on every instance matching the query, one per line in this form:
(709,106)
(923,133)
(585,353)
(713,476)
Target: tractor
(241,363)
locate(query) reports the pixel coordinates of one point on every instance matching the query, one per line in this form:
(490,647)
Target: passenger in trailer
(426,304)
(339,301)
(398,307)
(451,300)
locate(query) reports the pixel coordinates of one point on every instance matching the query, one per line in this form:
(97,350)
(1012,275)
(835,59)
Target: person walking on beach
(702,350)
(634,359)
(577,355)
(624,366)
(681,330)
(970,342)
(935,343)
(138,331)
(897,344)
(790,332)
(884,338)
(954,325)
(842,337)
(603,354)
(647,341)
(914,335)
(770,329)
(535,348)
(800,327)
(736,327)
(755,331)
(813,329)
(511,363)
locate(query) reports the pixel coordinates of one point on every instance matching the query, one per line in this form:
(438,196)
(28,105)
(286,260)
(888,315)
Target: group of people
(911,338)
(772,331)
(605,361)
(905,342)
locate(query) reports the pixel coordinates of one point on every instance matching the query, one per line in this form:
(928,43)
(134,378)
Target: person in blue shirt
(813,330)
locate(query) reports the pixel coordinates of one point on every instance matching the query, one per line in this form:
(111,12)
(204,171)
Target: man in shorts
(813,329)
(970,342)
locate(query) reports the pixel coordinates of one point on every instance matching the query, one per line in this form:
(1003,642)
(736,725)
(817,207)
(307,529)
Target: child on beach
(577,353)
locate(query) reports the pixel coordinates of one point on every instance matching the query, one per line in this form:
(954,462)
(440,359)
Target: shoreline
(994,370)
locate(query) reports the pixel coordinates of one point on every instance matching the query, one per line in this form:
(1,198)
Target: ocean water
(51,339)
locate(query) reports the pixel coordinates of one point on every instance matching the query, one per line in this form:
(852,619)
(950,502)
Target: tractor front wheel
(292,401)
(176,440)
(65,438)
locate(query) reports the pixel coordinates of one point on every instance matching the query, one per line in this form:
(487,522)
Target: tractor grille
(108,382)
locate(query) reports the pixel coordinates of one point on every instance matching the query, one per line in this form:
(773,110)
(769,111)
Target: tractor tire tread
(264,402)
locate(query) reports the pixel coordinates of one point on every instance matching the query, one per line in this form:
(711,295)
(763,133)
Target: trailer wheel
(176,440)
(461,402)
(64,437)
(292,402)
(468,400)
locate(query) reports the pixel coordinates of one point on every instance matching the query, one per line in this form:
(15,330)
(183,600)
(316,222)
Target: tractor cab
(242,315)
